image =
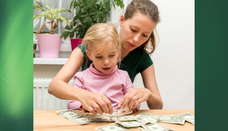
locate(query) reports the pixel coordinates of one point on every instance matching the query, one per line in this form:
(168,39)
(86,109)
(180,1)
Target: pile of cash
(124,121)
(83,119)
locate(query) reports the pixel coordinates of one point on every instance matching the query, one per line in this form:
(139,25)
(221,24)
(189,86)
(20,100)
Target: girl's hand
(95,102)
(134,97)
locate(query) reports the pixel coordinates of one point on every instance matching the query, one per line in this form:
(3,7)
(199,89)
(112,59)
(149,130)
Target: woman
(137,29)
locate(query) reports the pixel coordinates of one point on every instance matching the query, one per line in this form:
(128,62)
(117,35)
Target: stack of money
(109,117)
(143,121)
(83,119)
(123,121)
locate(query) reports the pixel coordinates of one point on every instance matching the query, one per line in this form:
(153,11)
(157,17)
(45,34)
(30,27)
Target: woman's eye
(144,35)
(133,30)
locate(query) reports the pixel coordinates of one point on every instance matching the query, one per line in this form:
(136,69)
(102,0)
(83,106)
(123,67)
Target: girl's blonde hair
(100,34)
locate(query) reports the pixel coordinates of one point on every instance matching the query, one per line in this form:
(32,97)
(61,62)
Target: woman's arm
(154,100)
(60,88)
(150,93)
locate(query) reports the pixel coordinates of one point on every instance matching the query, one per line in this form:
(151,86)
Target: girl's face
(135,31)
(104,60)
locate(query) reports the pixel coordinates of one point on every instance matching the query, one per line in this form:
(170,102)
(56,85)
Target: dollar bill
(145,118)
(156,127)
(188,117)
(69,113)
(119,112)
(73,116)
(112,127)
(126,118)
(171,119)
(109,117)
(102,118)
(128,124)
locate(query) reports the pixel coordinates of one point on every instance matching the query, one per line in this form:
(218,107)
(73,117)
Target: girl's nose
(106,62)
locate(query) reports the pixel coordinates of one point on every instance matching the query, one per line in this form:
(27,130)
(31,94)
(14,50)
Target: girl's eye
(98,57)
(111,55)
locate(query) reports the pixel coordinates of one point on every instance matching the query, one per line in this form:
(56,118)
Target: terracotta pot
(49,45)
(75,43)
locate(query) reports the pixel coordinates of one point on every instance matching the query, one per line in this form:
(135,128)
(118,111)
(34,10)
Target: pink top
(113,85)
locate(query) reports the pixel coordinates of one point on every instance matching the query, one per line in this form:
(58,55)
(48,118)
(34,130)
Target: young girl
(102,76)
(136,37)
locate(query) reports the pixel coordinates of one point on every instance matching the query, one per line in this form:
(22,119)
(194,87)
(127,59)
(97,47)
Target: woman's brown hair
(148,8)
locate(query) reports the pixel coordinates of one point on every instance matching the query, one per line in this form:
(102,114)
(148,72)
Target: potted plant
(87,13)
(49,43)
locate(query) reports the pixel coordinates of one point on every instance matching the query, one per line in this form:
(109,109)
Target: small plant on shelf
(52,14)
(87,13)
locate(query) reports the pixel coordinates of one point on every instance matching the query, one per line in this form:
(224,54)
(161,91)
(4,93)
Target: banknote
(156,127)
(109,117)
(145,118)
(69,113)
(188,117)
(112,127)
(171,119)
(128,124)
(73,116)
(119,112)
(102,118)
(126,118)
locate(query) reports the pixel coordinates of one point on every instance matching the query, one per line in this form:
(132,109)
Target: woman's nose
(136,38)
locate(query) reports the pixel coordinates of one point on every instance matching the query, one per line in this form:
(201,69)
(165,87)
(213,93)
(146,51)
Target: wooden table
(49,120)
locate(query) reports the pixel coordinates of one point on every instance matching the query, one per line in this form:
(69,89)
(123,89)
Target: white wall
(174,57)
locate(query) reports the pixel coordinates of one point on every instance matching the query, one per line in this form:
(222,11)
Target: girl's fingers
(106,106)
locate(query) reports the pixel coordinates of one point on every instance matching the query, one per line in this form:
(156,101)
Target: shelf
(49,61)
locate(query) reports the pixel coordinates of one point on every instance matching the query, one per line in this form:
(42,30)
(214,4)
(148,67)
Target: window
(37,23)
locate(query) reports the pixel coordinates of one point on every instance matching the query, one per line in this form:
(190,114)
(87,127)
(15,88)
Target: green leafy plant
(87,13)
(50,13)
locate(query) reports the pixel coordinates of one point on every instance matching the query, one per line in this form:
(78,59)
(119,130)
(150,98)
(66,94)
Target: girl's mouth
(106,68)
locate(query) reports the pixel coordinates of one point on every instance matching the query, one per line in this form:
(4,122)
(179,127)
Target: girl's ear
(88,54)
(121,20)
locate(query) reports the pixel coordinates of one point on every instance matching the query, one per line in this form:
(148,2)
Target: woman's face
(135,31)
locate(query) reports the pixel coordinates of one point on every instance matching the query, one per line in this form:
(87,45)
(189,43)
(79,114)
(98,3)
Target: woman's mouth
(131,45)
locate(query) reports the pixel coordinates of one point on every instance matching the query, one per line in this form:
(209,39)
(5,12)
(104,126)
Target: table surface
(49,120)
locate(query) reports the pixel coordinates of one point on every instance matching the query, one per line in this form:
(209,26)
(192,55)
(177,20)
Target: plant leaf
(47,6)
(62,18)
(38,16)
(67,27)
(65,34)
(72,34)
(38,7)
(89,3)
(77,10)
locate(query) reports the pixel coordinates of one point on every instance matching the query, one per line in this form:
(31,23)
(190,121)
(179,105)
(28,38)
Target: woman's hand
(95,102)
(134,97)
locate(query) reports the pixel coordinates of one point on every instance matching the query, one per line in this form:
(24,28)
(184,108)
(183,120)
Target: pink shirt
(113,85)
